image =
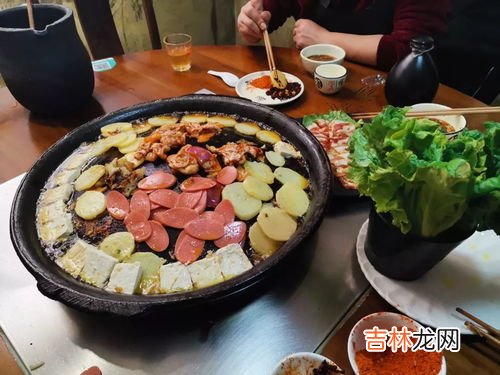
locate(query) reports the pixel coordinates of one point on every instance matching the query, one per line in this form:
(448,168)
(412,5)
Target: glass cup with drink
(178,48)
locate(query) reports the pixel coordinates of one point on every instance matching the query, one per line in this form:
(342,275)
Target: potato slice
(131,147)
(267,205)
(131,137)
(142,127)
(99,147)
(247,128)
(116,127)
(286,150)
(115,139)
(287,175)
(226,121)
(245,206)
(276,224)
(260,170)
(263,245)
(129,161)
(150,264)
(194,117)
(162,120)
(90,204)
(119,245)
(89,177)
(292,199)
(268,136)
(257,188)
(275,159)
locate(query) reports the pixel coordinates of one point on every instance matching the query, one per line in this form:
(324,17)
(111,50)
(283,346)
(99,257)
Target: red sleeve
(411,18)
(282,9)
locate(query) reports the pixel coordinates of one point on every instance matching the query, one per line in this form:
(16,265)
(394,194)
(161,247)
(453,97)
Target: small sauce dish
(315,50)
(330,78)
(456,122)
(304,363)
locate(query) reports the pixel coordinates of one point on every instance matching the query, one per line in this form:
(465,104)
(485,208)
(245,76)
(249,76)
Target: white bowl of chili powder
(388,362)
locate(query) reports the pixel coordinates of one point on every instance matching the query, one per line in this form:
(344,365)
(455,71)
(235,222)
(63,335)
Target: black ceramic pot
(48,70)
(405,256)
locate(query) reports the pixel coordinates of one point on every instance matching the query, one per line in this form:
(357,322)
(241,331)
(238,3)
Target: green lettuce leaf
(492,147)
(427,182)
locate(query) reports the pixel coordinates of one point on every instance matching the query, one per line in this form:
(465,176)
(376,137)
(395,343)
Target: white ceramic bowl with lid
(330,78)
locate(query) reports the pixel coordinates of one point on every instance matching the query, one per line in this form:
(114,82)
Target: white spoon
(229,78)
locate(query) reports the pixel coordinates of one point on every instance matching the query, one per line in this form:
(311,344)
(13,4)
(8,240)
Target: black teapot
(48,70)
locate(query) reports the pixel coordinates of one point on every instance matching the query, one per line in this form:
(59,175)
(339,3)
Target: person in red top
(372,32)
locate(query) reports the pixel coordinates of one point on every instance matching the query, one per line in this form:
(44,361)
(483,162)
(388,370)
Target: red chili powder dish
(263,82)
(389,363)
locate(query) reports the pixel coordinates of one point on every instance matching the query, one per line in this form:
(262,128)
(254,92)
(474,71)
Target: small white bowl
(383,320)
(300,364)
(457,121)
(330,78)
(321,49)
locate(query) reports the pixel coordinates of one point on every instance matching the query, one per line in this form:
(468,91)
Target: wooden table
(147,75)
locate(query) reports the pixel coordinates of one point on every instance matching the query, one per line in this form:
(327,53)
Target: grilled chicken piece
(236,153)
(183,162)
(119,177)
(211,166)
(159,143)
(202,132)
(242,174)
(206,160)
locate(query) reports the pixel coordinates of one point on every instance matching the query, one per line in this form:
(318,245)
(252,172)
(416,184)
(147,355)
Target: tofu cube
(125,278)
(174,277)
(77,160)
(74,259)
(51,212)
(232,260)
(205,272)
(56,230)
(62,193)
(66,176)
(97,268)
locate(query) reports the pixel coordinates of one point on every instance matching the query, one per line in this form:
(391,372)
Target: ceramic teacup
(330,78)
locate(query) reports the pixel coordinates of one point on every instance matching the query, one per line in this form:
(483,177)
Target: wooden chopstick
(492,340)
(31,19)
(269,50)
(268,57)
(483,324)
(442,112)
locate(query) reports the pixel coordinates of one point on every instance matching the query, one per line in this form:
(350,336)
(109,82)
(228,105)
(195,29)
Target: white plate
(244,90)
(469,277)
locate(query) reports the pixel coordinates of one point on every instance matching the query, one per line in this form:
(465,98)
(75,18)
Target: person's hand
(253,19)
(307,32)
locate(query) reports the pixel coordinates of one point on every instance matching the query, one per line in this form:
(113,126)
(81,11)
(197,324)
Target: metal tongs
(278,79)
